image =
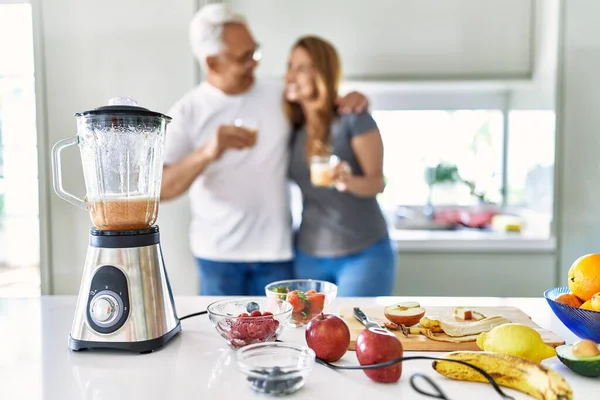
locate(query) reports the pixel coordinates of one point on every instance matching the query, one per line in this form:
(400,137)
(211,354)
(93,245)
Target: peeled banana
(517,373)
(457,329)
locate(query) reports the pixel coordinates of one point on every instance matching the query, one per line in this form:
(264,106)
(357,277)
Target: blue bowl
(583,323)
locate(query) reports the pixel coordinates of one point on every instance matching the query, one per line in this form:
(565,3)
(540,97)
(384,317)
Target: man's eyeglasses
(253,56)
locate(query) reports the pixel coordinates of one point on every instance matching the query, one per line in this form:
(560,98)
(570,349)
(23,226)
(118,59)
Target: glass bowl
(308,297)
(583,323)
(234,321)
(275,369)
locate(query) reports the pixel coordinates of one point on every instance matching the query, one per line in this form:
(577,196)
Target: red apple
(408,313)
(328,336)
(376,345)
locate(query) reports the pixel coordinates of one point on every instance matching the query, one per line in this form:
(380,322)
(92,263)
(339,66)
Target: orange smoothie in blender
(123,213)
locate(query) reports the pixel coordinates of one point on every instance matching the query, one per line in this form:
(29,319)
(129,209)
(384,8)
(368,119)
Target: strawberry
(316,303)
(297,299)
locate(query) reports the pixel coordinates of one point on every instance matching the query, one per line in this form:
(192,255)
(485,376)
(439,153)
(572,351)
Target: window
(461,158)
(460,150)
(19,211)
(531,159)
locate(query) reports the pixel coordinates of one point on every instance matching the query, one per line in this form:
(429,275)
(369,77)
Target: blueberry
(261,371)
(271,385)
(276,371)
(252,306)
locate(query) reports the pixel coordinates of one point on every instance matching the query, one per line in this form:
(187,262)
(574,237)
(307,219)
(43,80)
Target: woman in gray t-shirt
(343,236)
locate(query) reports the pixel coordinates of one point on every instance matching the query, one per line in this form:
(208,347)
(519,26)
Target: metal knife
(363,319)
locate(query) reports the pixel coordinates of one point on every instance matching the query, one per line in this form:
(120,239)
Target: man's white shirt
(239,204)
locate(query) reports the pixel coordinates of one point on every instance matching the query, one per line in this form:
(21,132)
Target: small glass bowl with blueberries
(247,321)
(275,368)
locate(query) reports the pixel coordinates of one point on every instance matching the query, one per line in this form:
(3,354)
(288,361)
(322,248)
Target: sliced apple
(408,313)
(463,313)
(466,314)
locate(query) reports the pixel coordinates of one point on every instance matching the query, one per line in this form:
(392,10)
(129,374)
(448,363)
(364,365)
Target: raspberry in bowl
(308,297)
(249,320)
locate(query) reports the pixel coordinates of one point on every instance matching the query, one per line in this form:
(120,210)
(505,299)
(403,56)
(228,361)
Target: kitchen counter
(36,363)
(471,241)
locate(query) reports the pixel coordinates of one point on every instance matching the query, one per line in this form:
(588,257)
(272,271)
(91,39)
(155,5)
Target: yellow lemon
(516,340)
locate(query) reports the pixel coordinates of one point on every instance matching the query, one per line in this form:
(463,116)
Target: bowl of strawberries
(308,297)
(246,321)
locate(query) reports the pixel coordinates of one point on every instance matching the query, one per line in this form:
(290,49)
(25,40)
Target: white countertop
(471,241)
(36,363)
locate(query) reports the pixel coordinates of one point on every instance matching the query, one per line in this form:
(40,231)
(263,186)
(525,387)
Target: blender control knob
(104,309)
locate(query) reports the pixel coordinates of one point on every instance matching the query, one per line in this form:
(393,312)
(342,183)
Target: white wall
(91,51)
(579,138)
(402,39)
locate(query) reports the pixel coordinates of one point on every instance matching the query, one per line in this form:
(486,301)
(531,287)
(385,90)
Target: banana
(517,373)
(454,328)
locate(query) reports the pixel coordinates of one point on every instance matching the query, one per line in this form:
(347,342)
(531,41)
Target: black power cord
(193,315)
(439,393)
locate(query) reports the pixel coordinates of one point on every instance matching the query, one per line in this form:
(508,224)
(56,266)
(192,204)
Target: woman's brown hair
(318,120)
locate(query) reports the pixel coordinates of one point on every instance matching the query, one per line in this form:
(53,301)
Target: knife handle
(359,315)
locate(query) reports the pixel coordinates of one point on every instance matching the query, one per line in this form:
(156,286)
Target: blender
(125,299)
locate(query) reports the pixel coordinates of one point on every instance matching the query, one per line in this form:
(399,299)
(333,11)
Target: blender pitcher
(121,148)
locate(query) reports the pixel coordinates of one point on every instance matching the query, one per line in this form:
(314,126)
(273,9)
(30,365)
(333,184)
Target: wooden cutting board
(422,343)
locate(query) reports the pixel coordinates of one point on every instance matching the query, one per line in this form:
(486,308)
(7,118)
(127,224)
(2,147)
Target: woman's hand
(342,174)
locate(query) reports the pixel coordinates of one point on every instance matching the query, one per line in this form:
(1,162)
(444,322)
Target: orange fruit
(595,302)
(587,305)
(569,299)
(584,276)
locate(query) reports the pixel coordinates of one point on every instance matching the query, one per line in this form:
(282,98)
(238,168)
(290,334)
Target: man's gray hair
(206,29)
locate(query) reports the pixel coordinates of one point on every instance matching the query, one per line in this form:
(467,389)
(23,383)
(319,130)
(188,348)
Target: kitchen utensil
(125,299)
(312,305)
(240,331)
(583,323)
(363,319)
(275,368)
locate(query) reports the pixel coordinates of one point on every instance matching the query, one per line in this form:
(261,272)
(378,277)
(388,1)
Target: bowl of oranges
(578,304)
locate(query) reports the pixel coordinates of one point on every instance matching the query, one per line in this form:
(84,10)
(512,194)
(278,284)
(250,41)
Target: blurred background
(487,110)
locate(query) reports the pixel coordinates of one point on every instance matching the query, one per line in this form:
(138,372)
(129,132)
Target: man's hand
(353,102)
(229,137)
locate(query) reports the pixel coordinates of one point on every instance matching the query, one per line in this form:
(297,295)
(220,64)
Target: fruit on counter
(407,313)
(252,306)
(306,305)
(431,323)
(391,326)
(584,276)
(375,345)
(581,357)
(463,313)
(466,314)
(251,328)
(328,336)
(595,302)
(569,299)
(587,305)
(457,329)
(516,340)
(517,373)
(585,348)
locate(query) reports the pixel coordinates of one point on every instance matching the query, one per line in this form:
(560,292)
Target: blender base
(125,300)
(143,347)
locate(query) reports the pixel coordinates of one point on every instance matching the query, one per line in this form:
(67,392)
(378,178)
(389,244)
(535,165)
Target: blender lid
(123,106)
